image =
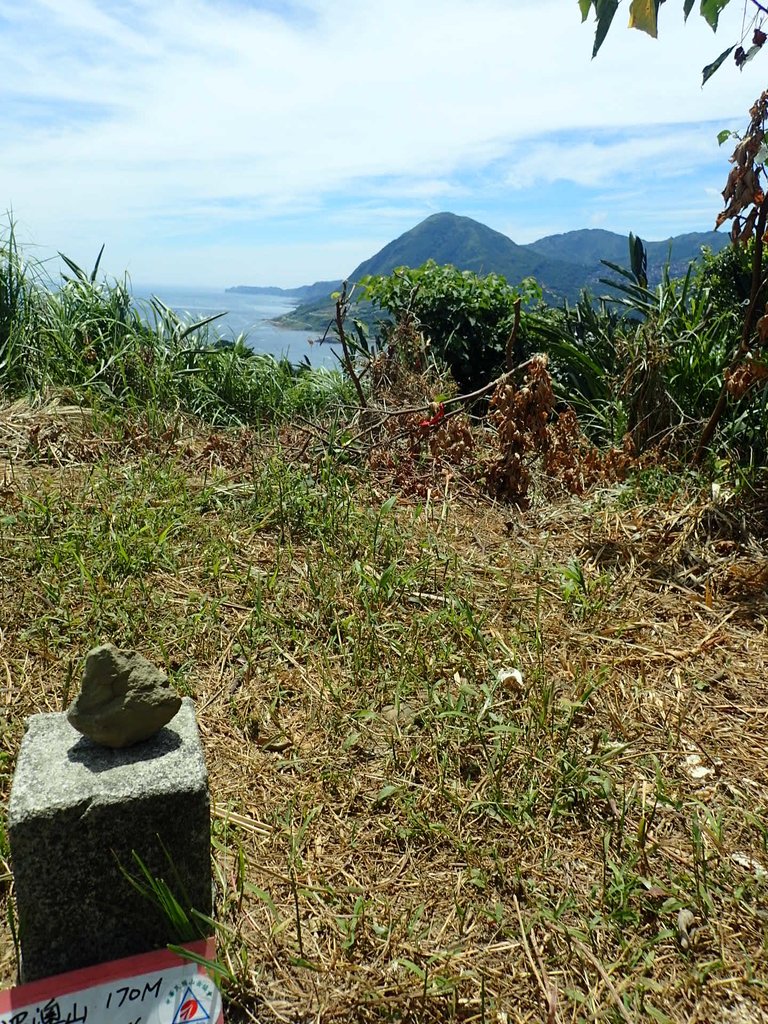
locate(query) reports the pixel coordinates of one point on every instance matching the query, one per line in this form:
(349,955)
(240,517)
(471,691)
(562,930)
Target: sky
(281,142)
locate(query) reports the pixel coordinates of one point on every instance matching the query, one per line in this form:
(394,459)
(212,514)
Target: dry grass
(400,831)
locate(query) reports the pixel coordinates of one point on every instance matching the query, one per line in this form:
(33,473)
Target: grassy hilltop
(481,687)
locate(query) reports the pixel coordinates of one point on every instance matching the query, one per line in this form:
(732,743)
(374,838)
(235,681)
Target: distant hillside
(590,245)
(562,264)
(305,292)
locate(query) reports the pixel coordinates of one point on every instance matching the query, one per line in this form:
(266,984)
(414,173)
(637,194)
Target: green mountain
(465,243)
(562,264)
(590,245)
(470,245)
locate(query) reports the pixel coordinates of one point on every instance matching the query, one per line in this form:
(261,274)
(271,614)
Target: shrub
(466,319)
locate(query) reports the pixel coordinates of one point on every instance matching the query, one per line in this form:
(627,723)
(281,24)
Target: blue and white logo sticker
(193,1000)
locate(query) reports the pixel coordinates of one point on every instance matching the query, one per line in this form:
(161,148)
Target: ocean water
(247,314)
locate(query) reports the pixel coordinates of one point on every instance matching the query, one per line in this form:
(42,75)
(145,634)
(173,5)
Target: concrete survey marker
(77,813)
(154,988)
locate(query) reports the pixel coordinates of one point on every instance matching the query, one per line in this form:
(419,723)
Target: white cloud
(657,152)
(159,125)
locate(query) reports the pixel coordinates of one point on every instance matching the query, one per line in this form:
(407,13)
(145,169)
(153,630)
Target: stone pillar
(77,811)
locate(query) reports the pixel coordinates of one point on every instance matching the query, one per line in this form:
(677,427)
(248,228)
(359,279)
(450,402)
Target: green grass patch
(401,829)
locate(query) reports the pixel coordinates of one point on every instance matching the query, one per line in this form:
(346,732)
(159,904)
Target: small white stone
(696,769)
(510,679)
(750,864)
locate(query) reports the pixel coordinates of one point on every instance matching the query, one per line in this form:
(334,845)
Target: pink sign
(154,988)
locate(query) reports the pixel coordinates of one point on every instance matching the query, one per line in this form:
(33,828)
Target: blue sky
(219,142)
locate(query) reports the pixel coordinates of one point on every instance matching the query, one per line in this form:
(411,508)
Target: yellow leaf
(642,15)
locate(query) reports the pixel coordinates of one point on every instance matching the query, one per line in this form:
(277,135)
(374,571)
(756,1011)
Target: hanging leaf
(710,69)
(642,15)
(605,10)
(584,6)
(710,11)
(723,136)
(687,8)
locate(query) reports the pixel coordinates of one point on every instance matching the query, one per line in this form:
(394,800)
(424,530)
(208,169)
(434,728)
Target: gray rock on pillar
(124,699)
(77,811)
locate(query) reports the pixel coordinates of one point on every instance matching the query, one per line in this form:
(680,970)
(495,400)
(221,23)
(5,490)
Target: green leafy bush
(652,366)
(728,276)
(466,319)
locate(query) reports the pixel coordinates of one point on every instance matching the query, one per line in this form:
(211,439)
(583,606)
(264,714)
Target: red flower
(434,420)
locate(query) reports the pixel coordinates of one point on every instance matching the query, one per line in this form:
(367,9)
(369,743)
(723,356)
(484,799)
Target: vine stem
(759,281)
